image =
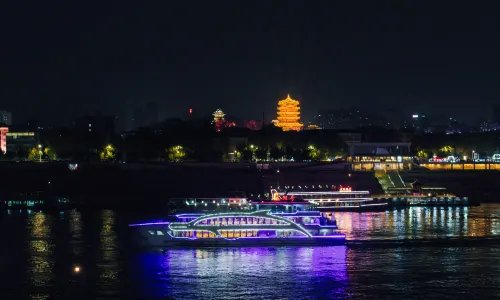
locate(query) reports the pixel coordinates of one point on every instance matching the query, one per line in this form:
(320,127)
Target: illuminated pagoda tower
(218,115)
(289,114)
(220,122)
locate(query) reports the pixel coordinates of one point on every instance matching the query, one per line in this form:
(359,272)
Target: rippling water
(39,252)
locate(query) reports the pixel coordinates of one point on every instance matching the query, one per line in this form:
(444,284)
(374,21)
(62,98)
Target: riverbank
(138,184)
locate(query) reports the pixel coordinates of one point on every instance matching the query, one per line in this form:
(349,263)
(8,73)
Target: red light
(345,189)
(190,111)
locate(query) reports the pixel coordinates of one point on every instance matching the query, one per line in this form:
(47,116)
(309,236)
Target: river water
(39,253)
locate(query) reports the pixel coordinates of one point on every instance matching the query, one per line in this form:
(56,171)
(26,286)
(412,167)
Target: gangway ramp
(396,179)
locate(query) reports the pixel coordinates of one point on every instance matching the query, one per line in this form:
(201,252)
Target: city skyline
(244,58)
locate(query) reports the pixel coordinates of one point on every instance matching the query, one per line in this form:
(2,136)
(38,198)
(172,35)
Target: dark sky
(61,60)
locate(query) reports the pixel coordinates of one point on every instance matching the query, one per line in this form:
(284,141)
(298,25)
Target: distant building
(218,115)
(379,156)
(138,118)
(152,113)
(348,136)
(496,113)
(120,122)
(454,126)
(349,119)
(252,124)
(95,123)
(3,138)
(6,118)
(418,123)
(489,126)
(25,140)
(312,127)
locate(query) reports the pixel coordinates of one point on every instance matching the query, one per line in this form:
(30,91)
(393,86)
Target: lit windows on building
(6,118)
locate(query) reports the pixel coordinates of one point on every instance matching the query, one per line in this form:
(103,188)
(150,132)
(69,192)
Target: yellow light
(312,127)
(289,114)
(218,115)
(76,269)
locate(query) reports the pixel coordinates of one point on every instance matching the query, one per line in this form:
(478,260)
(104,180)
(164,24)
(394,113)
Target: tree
(447,149)
(108,152)
(176,153)
(50,153)
(422,154)
(35,154)
(234,156)
(313,152)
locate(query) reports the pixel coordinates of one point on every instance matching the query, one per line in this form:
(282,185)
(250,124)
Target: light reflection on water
(40,258)
(243,272)
(40,251)
(421,222)
(108,264)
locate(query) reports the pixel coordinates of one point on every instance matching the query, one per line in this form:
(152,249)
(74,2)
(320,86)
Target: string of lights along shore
(288,115)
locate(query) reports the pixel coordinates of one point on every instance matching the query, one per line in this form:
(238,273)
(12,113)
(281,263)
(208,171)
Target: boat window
(158,232)
(151,232)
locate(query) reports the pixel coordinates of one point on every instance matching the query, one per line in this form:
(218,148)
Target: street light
(40,151)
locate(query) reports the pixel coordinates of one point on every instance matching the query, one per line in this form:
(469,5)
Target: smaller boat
(257,228)
(330,199)
(34,200)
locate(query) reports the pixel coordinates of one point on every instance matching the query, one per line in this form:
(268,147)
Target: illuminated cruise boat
(257,228)
(330,198)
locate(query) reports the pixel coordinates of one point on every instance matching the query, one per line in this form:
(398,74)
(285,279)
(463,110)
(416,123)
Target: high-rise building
(496,113)
(152,112)
(6,118)
(289,114)
(95,123)
(138,118)
(349,119)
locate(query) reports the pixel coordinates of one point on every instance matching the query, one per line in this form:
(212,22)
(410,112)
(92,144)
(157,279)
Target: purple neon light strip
(340,237)
(340,199)
(300,214)
(322,226)
(189,215)
(325,193)
(295,237)
(149,224)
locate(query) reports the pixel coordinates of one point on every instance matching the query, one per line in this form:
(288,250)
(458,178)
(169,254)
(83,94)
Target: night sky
(62,60)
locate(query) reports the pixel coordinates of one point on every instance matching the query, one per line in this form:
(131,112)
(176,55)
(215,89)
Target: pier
(400,193)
